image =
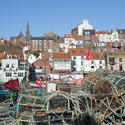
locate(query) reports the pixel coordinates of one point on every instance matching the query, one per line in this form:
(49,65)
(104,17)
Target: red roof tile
(2,55)
(15,52)
(61,55)
(41,62)
(101,32)
(38,62)
(72,36)
(82,51)
(77,51)
(97,56)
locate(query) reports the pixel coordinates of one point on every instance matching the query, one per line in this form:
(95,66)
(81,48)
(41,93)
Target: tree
(36,53)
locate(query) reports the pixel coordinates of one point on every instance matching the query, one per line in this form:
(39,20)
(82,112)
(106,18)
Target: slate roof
(41,38)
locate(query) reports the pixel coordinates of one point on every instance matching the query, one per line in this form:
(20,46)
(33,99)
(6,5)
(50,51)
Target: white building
(26,48)
(93,65)
(84,26)
(32,59)
(77,58)
(80,63)
(10,69)
(67,41)
(113,37)
(70,41)
(61,62)
(104,36)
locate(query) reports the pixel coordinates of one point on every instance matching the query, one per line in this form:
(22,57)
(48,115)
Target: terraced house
(116,60)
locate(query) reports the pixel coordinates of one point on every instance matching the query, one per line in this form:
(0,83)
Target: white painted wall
(86,65)
(62,65)
(12,63)
(10,70)
(113,37)
(84,26)
(25,49)
(32,59)
(78,65)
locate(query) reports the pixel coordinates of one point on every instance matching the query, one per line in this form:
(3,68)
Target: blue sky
(59,16)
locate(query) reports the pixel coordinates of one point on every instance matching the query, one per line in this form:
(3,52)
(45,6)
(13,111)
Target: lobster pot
(51,87)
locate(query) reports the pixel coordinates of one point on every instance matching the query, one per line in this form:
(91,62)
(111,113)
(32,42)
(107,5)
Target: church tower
(28,30)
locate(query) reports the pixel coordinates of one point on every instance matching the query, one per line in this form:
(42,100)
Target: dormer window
(18,57)
(7,65)
(9,56)
(92,62)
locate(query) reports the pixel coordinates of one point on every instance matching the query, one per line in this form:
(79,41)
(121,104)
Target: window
(39,67)
(73,51)
(33,43)
(100,67)
(8,74)
(100,62)
(111,61)
(87,37)
(92,67)
(44,43)
(111,67)
(9,56)
(74,57)
(82,63)
(120,59)
(7,65)
(74,68)
(36,43)
(87,42)
(44,68)
(40,44)
(87,32)
(82,57)
(20,74)
(120,67)
(92,62)
(81,51)
(18,57)
(13,65)
(73,63)
(50,43)
(65,60)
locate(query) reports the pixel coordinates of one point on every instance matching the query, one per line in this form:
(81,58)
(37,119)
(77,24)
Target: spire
(89,55)
(27,30)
